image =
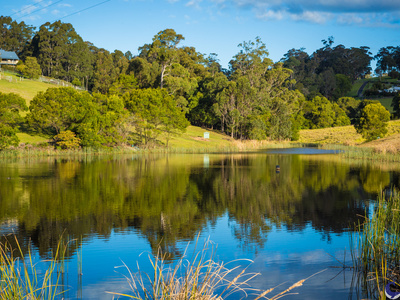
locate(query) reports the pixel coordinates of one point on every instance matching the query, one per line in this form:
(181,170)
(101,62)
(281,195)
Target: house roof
(8,55)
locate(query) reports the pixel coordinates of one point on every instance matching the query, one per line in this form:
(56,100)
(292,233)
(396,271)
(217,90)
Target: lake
(292,221)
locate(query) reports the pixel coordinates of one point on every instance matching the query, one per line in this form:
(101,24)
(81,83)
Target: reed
(23,278)
(377,258)
(198,277)
(20,278)
(364,153)
(48,151)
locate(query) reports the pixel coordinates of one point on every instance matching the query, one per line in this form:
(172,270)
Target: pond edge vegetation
(376,246)
(197,277)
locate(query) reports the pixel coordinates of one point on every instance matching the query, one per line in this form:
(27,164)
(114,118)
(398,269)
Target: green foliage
(343,85)
(58,109)
(76,82)
(164,50)
(394,74)
(377,253)
(67,140)
(388,58)
(14,36)
(97,120)
(373,121)
(396,105)
(124,84)
(61,52)
(105,125)
(349,106)
(154,112)
(104,72)
(10,106)
(30,69)
(321,113)
(329,69)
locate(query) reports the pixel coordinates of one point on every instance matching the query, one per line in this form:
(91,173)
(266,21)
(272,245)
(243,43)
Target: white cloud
(351,19)
(271,15)
(312,17)
(27,9)
(194,3)
(64,5)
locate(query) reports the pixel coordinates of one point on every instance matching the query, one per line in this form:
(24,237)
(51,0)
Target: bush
(373,121)
(76,82)
(67,140)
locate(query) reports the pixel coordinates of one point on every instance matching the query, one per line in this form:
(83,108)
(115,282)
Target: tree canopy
(254,98)
(10,106)
(372,123)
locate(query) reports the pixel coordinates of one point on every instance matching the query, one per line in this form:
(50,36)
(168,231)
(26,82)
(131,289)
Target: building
(8,58)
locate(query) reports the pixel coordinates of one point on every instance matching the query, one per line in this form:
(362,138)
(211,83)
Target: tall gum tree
(164,50)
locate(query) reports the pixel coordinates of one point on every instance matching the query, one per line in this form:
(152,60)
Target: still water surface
(292,222)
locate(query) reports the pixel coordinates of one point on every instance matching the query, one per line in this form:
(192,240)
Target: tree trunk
(162,75)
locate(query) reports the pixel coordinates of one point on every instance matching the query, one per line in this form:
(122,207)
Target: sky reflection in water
(292,224)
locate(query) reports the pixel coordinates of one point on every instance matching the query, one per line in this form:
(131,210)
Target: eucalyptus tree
(260,102)
(104,72)
(154,113)
(163,50)
(15,36)
(387,59)
(61,52)
(145,72)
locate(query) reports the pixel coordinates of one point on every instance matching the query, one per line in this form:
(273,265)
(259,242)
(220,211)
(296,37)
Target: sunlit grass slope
(30,139)
(26,88)
(345,135)
(193,138)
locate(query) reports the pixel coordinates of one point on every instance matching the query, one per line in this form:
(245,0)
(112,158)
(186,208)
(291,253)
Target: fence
(17,77)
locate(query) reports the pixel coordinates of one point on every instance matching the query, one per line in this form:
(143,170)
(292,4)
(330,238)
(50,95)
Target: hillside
(347,135)
(389,144)
(26,88)
(367,83)
(193,137)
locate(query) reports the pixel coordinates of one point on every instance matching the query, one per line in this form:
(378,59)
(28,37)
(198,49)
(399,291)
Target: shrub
(373,121)
(67,140)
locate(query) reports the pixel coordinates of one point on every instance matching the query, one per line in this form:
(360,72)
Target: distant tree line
(166,87)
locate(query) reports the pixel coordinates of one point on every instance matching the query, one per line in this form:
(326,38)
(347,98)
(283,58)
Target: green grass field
(386,102)
(193,138)
(31,139)
(344,135)
(26,88)
(356,86)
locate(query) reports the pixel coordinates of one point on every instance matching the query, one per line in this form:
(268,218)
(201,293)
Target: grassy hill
(347,135)
(385,101)
(193,137)
(26,88)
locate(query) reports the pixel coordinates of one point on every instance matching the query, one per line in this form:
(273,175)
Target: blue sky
(218,26)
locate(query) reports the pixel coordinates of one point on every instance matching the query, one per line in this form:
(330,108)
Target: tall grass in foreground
(377,258)
(197,278)
(20,278)
(23,278)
